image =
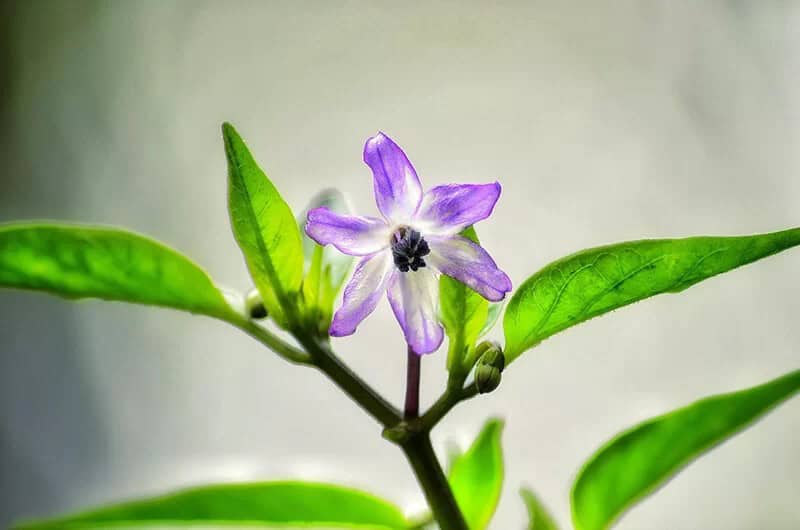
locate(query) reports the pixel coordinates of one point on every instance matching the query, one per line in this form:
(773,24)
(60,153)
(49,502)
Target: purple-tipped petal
(460,258)
(397,187)
(353,235)
(449,209)
(362,293)
(413,297)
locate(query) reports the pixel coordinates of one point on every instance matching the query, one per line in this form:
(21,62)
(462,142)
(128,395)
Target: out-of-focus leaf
(338,263)
(493,314)
(265,229)
(596,281)
(538,516)
(452,452)
(476,476)
(464,313)
(94,262)
(279,504)
(635,463)
(325,267)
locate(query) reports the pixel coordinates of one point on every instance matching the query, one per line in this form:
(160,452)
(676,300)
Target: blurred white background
(604,121)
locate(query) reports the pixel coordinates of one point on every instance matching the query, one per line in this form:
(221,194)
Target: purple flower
(404,252)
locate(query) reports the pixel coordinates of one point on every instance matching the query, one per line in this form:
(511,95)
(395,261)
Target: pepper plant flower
(404,252)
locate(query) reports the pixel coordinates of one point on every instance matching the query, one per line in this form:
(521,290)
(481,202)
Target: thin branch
(272,341)
(322,357)
(449,399)
(356,388)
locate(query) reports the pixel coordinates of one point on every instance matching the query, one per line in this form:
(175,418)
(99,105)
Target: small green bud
(254,305)
(487,378)
(483,347)
(489,367)
(490,353)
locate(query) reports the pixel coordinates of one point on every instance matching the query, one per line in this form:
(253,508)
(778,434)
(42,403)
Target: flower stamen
(408,249)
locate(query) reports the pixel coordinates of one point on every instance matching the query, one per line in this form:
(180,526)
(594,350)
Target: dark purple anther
(408,248)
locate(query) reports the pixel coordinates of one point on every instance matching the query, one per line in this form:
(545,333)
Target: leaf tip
(231,138)
(228,128)
(495,425)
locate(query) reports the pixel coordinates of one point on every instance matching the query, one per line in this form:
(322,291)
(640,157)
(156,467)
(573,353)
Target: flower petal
(460,258)
(397,187)
(414,300)
(449,209)
(362,293)
(353,235)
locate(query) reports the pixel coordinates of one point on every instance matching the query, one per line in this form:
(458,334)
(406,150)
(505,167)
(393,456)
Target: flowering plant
(424,253)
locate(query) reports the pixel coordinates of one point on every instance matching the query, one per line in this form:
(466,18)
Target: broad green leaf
(94,262)
(325,268)
(265,229)
(294,504)
(595,281)
(464,313)
(635,463)
(538,516)
(476,476)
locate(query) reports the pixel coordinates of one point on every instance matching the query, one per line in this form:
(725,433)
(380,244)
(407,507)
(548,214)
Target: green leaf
(595,281)
(294,504)
(476,476)
(265,229)
(538,516)
(635,463)
(495,309)
(325,267)
(94,262)
(464,313)
(339,263)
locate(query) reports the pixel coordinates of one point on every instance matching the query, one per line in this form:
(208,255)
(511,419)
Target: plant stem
(431,478)
(355,387)
(449,399)
(417,447)
(321,356)
(416,444)
(271,341)
(419,452)
(412,384)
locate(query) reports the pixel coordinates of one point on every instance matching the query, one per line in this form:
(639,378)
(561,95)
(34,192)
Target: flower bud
(487,378)
(254,305)
(489,367)
(483,347)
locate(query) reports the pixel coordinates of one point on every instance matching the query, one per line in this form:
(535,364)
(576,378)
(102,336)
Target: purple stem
(412,384)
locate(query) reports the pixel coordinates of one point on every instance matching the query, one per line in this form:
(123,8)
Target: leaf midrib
(280,294)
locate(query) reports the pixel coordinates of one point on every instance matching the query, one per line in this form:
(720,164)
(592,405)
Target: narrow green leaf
(94,262)
(635,463)
(595,281)
(295,504)
(313,282)
(538,516)
(493,314)
(325,267)
(338,262)
(464,313)
(264,227)
(476,476)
